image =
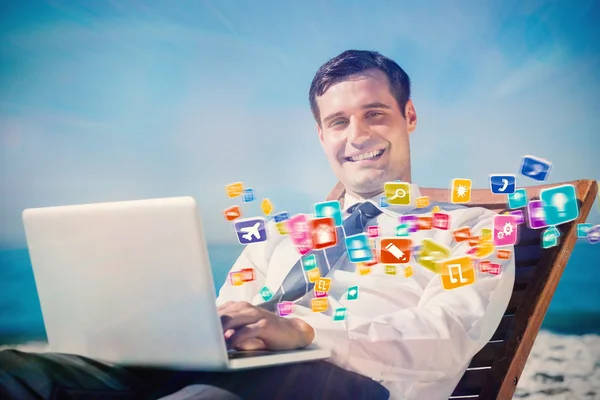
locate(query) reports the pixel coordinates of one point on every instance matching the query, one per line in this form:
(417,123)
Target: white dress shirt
(410,334)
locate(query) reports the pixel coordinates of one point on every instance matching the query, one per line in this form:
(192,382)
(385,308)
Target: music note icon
(457,272)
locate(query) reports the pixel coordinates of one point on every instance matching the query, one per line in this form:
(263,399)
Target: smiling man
(407,332)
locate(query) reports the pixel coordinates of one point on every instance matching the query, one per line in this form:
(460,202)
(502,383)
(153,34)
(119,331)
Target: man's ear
(320,132)
(410,116)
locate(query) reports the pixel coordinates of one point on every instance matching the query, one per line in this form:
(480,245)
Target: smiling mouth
(369,156)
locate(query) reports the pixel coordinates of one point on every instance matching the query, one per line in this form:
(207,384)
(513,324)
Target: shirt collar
(350,200)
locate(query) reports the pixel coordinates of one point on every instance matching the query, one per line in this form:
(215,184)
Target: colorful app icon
(320,294)
(505,230)
(300,234)
(383,203)
(486,234)
(457,272)
(518,199)
(395,250)
(248,195)
(462,234)
(266,294)
(281,216)
(373,231)
(461,191)
(235,189)
(319,304)
(535,168)
(412,221)
(251,230)
(494,269)
(503,254)
(339,314)
(436,209)
(560,204)
(474,241)
(390,270)
(313,275)
(324,233)
(484,265)
(352,293)
(358,248)
(374,260)
(536,215)
(549,238)
(431,254)
(593,235)
(484,249)
(363,269)
(441,221)
(403,230)
(323,285)
(309,262)
(232,213)
(329,209)
(424,223)
(266,206)
(518,216)
(503,184)
(422,201)
(282,227)
(235,277)
(284,308)
(408,272)
(397,193)
(582,230)
(247,274)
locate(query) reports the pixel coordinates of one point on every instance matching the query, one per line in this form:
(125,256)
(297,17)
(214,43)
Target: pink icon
(505,230)
(320,294)
(298,228)
(373,231)
(494,269)
(284,308)
(441,221)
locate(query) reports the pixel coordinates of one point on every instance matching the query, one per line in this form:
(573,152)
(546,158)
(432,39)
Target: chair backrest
(495,370)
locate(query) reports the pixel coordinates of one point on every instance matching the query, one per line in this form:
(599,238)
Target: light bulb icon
(559,200)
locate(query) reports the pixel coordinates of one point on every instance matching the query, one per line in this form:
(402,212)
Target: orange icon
(462,234)
(422,201)
(484,266)
(457,272)
(408,271)
(235,189)
(323,284)
(395,250)
(424,223)
(484,249)
(266,206)
(461,190)
(323,232)
(313,274)
(319,304)
(503,254)
(474,241)
(232,213)
(247,274)
(236,278)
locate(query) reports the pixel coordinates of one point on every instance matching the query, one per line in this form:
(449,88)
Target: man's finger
(252,344)
(250,331)
(238,319)
(225,306)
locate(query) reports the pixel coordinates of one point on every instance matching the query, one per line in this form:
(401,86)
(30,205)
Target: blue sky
(106,100)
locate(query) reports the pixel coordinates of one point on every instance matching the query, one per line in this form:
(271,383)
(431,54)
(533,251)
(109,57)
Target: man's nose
(358,133)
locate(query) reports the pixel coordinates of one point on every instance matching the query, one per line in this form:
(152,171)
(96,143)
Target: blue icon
(560,204)
(358,248)
(251,230)
(518,199)
(282,216)
(383,203)
(593,235)
(503,184)
(582,230)
(330,209)
(535,168)
(549,238)
(248,195)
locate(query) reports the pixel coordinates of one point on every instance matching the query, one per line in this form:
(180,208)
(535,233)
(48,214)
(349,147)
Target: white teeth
(363,156)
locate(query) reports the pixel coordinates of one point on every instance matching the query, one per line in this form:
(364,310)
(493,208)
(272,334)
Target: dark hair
(351,62)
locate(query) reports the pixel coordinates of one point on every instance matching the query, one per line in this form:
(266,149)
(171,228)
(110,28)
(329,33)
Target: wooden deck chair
(495,370)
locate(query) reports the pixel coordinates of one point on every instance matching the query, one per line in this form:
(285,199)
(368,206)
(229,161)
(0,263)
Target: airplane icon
(251,230)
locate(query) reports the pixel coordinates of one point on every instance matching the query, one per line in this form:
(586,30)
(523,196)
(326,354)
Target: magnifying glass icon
(400,194)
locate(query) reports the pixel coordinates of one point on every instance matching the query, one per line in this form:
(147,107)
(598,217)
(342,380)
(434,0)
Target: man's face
(364,134)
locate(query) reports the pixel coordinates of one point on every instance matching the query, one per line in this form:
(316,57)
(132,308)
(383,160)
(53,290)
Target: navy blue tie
(294,285)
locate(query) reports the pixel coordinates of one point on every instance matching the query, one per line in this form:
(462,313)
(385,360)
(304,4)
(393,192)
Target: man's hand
(247,327)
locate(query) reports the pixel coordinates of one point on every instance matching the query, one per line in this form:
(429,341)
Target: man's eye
(374,114)
(338,122)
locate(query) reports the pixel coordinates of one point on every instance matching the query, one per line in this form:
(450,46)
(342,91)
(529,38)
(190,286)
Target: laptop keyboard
(247,353)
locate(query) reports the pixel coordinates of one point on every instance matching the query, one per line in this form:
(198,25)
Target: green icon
(339,314)
(266,293)
(403,230)
(518,199)
(309,262)
(582,230)
(353,293)
(550,237)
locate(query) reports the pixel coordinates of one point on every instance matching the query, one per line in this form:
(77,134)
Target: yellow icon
(323,284)
(408,271)
(319,304)
(486,235)
(266,206)
(313,274)
(282,227)
(235,189)
(436,209)
(457,272)
(236,278)
(397,193)
(390,269)
(461,190)
(431,254)
(363,269)
(422,201)
(484,248)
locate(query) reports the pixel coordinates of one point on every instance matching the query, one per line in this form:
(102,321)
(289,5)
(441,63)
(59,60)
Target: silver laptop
(130,283)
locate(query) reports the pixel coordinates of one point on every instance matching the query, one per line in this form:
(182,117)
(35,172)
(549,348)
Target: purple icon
(537,216)
(251,230)
(593,234)
(412,221)
(519,217)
